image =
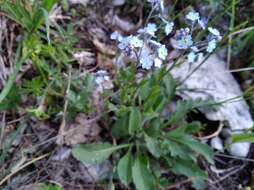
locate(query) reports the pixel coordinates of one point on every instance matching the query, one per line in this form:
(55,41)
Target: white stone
(213,81)
(217,144)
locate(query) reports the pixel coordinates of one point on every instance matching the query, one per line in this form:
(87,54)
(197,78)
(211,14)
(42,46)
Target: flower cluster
(149,52)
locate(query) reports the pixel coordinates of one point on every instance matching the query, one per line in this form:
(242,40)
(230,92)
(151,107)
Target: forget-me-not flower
(169,27)
(116,36)
(203,23)
(162,52)
(146,58)
(185,42)
(215,32)
(136,42)
(193,16)
(157,62)
(150,29)
(211,46)
(191,57)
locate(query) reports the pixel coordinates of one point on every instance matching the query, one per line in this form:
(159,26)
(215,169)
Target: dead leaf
(82,131)
(103,48)
(84,58)
(104,62)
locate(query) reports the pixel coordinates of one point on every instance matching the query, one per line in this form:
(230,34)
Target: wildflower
(136,42)
(169,27)
(150,29)
(146,58)
(191,57)
(203,23)
(194,48)
(146,62)
(193,16)
(185,42)
(124,43)
(211,46)
(116,36)
(215,32)
(157,62)
(162,52)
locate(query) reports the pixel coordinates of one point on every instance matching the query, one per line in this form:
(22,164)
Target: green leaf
(152,146)
(196,146)
(94,153)
(141,175)
(124,169)
(48,187)
(190,170)
(120,128)
(245,137)
(135,120)
(12,99)
(170,86)
(18,63)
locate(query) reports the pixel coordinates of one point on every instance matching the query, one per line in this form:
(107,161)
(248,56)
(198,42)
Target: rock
(217,144)
(212,81)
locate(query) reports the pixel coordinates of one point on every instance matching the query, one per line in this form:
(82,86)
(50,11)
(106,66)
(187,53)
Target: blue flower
(146,62)
(158,62)
(193,16)
(191,57)
(194,48)
(215,32)
(124,43)
(146,58)
(169,27)
(162,52)
(116,36)
(211,46)
(185,42)
(203,23)
(136,42)
(150,29)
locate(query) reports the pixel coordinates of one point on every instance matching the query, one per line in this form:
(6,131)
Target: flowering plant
(150,52)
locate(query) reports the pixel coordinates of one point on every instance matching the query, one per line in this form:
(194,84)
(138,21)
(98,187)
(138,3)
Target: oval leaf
(94,153)
(141,175)
(135,120)
(152,146)
(124,169)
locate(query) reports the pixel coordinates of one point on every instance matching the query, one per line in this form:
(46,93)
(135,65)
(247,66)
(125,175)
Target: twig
(59,140)
(174,186)
(228,175)
(215,134)
(3,124)
(235,157)
(22,167)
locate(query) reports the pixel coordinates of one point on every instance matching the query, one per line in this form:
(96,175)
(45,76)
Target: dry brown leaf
(81,131)
(104,62)
(103,48)
(84,58)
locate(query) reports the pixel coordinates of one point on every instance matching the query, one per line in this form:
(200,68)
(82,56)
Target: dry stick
(241,31)
(228,175)
(22,167)
(180,183)
(2,130)
(59,140)
(235,157)
(215,134)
